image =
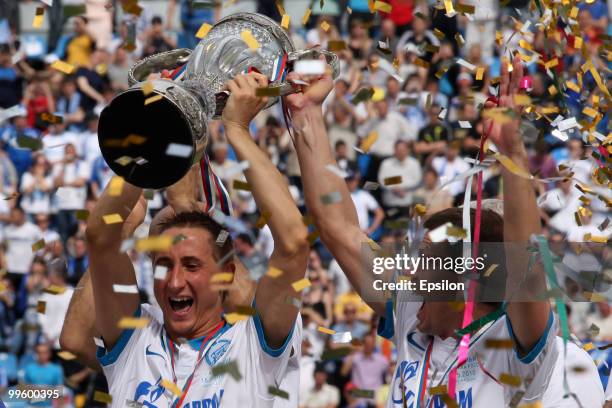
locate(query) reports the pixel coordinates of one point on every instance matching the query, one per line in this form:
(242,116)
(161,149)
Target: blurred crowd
(408,101)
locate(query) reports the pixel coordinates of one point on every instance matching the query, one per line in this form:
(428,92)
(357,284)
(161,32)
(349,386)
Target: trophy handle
(157,63)
(285,88)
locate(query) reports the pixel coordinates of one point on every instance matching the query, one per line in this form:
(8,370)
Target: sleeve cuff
(386,328)
(272,352)
(535,350)
(107,358)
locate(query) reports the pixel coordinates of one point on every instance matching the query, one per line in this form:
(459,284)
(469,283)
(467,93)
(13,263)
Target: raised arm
(107,265)
(337,223)
(521,219)
(272,197)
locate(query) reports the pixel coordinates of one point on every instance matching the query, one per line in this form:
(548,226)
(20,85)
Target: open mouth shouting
(181,305)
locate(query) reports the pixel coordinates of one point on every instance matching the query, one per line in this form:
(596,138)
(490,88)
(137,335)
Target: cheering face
(185,295)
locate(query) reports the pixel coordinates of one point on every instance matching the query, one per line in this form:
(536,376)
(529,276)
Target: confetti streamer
(125,288)
(490,270)
(391,181)
(54,290)
(335,354)
(115,186)
(512,380)
(274,272)
(38,245)
(147,88)
(263,219)
(371,186)
(66,355)
(203,30)
(336,45)
(38,17)
(230,368)
(172,387)
(341,337)
(241,185)
(233,318)
(112,219)
(160,272)
(178,150)
(310,67)
(41,306)
(267,91)
(382,7)
(367,143)
(222,277)
(102,397)
(300,285)
(499,343)
(153,99)
(360,393)
(326,330)
(132,323)
(63,67)
(247,37)
(278,392)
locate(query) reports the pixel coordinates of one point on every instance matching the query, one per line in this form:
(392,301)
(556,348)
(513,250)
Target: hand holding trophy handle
(157,63)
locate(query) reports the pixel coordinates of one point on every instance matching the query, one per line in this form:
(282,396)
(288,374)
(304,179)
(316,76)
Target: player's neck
(206,325)
(480,310)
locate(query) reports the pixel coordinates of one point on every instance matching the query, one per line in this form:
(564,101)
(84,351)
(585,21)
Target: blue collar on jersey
(194,343)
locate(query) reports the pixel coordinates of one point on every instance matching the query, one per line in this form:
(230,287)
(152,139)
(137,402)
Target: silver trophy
(153,145)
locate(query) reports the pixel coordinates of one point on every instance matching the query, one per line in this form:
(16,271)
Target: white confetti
(560,135)
(465,124)
(127,245)
(179,150)
(567,124)
(337,171)
(371,186)
(11,112)
(236,169)
(99,342)
(310,67)
(125,288)
(442,114)
(160,272)
(222,237)
(439,234)
(466,64)
(140,161)
(341,337)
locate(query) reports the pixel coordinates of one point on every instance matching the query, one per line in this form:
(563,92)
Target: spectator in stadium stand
(365,204)
(78,261)
(8,182)
(7,313)
(36,281)
(541,162)
(12,78)
(36,187)
(20,157)
(43,372)
(81,45)
(69,104)
(156,40)
(434,137)
(192,17)
(390,127)
(55,141)
(448,166)
(341,153)
(359,42)
(367,368)
(399,194)
(317,300)
(388,35)
(430,195)
(19,236)
(71,175)
(92,79)
(322,394)
(56,305)
(357,328)
(38,99)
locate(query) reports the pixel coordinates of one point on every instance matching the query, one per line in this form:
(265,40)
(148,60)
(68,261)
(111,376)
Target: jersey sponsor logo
(404,373)
(152,353)
(212,402)
(216,351)
(147,393)
(464,400)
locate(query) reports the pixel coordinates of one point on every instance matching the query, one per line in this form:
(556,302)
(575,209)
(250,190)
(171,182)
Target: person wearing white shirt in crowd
(322,394)
(56,305)
(90,146)
(609,393)
(399,195)
(71,175)
(450,166)
(578,162)
(36,186)
(19,236)
(389,126)
(561,202)
(50,236)
(365,204)
(55,141)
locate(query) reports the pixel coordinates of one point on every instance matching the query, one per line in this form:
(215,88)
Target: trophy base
(134,139)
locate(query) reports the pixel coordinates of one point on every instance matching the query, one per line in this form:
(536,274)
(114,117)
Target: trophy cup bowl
(134,137)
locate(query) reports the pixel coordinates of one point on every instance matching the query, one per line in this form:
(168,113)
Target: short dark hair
(197,219)
(156,20)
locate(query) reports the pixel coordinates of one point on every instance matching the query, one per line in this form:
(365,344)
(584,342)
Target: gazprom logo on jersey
(147,394)
(404,380)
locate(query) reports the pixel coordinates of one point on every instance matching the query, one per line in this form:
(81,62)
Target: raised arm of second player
(107,265)
(273,198)
(337,223)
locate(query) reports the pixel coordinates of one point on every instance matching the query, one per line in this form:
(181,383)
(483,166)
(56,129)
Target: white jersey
(582,380)
(424,362)
(140,361)
(609,389)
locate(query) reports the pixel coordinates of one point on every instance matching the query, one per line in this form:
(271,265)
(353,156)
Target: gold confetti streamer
(267,91)
(509,379)
(203,30)
(512,167)
(62,66)
(102,397)
(38,17)
(152,99)
(233,317)
(490,270)
(115,186)
(241,185)
(382,6)
(285,21)
(367,143)
(326,330)
(66,355)
(390,181)
(499,343)
(274,272)
(112,218)
(172,387)
(263,219)
(300,285)
(306,16)
(54,290)
(325,26)
(132,323)
(38,245)
(480,73)
(336,45)
(147,88)
(41,306)
(156,243)
(222,277)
